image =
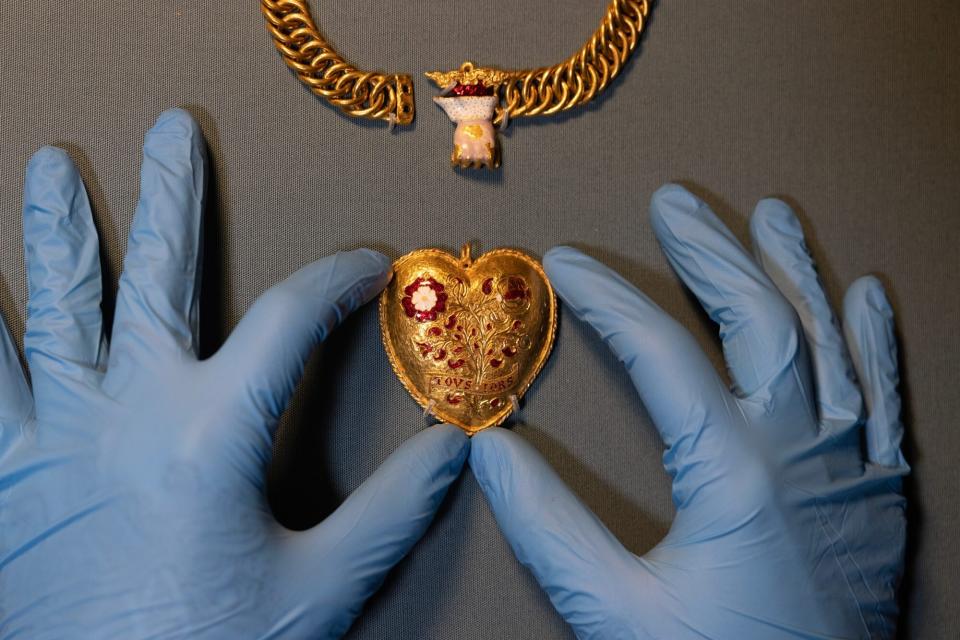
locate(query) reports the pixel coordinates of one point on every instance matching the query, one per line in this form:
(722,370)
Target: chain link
(362,94)
(527,92)
(579,79)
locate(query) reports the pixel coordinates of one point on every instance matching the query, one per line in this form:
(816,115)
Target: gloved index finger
(263,359)
(758,326)
(667,366)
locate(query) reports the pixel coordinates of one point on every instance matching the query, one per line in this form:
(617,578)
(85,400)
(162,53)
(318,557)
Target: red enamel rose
(515,289)
(423,299)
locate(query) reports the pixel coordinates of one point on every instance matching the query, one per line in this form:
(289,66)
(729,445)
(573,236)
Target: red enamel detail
(456,364)
(496,363)
(487,286)
(469,90)
(509,352)
(516,289)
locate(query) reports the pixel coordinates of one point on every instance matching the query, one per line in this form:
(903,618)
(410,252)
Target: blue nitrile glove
(132,482)
(784,528)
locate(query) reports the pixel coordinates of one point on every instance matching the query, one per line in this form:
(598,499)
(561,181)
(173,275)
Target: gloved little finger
(330,570)
(868,324)
(582,567)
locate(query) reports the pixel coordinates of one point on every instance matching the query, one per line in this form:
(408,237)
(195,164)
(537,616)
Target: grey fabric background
(849,109)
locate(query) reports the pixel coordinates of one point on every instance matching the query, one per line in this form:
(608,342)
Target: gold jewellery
(467,337)
(477,99)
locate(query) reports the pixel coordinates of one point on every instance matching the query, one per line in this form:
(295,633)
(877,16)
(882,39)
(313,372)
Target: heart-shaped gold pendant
(467,338)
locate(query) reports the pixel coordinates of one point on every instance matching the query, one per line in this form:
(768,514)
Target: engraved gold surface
(469,73)
(464,336)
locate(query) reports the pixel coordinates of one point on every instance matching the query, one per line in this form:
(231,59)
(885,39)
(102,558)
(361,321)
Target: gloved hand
(783,528)
(132,481)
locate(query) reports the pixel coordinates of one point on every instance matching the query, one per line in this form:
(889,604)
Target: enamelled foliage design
(474,333)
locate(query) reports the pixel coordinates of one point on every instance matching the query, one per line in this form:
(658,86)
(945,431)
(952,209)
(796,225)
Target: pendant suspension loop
(466,259)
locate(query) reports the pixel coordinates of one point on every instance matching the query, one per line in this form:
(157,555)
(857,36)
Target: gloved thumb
(334,567)
(583,568)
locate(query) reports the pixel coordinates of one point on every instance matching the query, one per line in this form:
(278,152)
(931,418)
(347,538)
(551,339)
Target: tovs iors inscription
(465,336)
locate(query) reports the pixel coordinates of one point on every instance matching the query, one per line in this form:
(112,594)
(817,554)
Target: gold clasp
(405,104)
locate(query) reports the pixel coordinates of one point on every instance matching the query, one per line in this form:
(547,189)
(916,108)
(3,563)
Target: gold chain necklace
(477,99)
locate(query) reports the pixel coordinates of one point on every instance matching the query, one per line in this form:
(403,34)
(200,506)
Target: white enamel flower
(424,298)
